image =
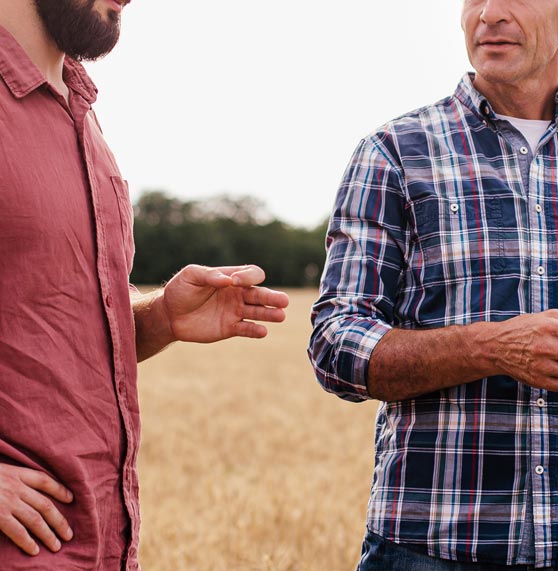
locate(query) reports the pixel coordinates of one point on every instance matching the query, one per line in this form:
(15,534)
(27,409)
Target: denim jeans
(379,554)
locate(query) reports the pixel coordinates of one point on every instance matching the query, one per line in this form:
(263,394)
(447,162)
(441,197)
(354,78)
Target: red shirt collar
(22,76)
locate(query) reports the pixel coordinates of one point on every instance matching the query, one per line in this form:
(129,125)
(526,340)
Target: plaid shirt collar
(467,94)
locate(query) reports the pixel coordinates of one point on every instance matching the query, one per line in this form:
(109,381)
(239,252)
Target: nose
(494,11)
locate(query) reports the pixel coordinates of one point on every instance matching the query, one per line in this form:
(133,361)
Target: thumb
(203,276)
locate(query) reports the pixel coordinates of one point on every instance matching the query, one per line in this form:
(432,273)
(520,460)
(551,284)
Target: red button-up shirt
(68,398)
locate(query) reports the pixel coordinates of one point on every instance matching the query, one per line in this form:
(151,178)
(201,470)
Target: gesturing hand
(209,304)
(26,508)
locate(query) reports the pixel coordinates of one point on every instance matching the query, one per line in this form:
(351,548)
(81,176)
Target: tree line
(170,233)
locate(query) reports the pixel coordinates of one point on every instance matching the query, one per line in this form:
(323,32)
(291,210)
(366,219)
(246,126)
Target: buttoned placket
(530,167)
(80,117)
(539,420)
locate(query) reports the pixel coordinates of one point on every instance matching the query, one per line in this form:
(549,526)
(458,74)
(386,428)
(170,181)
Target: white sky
(264,98)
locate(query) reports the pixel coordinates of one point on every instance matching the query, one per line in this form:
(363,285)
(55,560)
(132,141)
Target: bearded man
(71,327)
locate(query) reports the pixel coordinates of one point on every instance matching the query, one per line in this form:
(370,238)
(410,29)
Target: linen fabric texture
(68,396)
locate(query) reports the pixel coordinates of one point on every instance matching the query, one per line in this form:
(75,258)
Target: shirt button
(454,207)
(524,150)
(108,300)
(539,470)
(540,271)
(541,402)
(538,208)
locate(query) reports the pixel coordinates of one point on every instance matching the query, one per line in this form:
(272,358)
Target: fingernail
(57,545)
(236,280)
(69,533)
(35,550)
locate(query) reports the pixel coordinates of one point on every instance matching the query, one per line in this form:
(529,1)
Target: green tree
(171,233)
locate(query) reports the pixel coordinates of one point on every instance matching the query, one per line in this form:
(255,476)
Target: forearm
(153,332)
(410,363)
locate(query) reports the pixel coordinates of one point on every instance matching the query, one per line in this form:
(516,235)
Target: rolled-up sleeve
(367,242)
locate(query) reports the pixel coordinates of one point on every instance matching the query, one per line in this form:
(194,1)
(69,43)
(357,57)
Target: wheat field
(246,464)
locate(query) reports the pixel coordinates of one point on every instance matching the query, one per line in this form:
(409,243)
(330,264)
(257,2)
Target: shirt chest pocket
(126,219)
(459,239)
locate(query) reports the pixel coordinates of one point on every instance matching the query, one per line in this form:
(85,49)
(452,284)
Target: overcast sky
(264,98)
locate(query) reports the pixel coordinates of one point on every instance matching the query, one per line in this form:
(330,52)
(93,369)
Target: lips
(118,5)
(496,41)
(498,44)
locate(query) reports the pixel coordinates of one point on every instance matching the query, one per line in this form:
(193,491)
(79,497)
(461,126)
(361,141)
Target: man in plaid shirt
(439,299)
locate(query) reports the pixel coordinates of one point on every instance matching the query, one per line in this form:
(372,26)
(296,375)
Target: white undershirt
(531,129)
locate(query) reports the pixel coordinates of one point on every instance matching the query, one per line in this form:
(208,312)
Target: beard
(78,29)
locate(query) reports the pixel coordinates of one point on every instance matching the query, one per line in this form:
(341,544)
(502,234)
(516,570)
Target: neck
(21,19)
(522,101)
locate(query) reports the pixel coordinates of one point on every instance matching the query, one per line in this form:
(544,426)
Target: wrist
(482,348)
(161,322)
(153,328)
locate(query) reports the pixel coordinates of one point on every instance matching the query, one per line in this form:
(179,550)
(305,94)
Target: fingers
(267,297)
(52,516)
(249,329)
(223,276)
(44,483)
(35,524)
(262,313)
(240,276)
(246,276)
(17,533)
(37,516)
(261,304)
(202,276)
(26,513)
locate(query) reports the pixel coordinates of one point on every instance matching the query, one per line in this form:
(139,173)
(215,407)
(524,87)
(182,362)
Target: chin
(497,74)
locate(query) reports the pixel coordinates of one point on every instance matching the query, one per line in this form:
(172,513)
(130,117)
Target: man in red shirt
(71,327)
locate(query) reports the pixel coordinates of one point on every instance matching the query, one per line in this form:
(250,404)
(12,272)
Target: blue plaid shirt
(443,219)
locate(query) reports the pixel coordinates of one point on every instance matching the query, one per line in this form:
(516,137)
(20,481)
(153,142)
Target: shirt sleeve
(366,244)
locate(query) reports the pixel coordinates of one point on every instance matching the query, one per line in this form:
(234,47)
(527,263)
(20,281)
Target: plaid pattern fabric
(433,226)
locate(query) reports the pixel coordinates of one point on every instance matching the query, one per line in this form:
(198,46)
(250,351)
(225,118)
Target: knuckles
(35,520)
(43,481)
(46,507)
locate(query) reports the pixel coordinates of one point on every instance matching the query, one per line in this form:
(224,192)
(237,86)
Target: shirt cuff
(342,356)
